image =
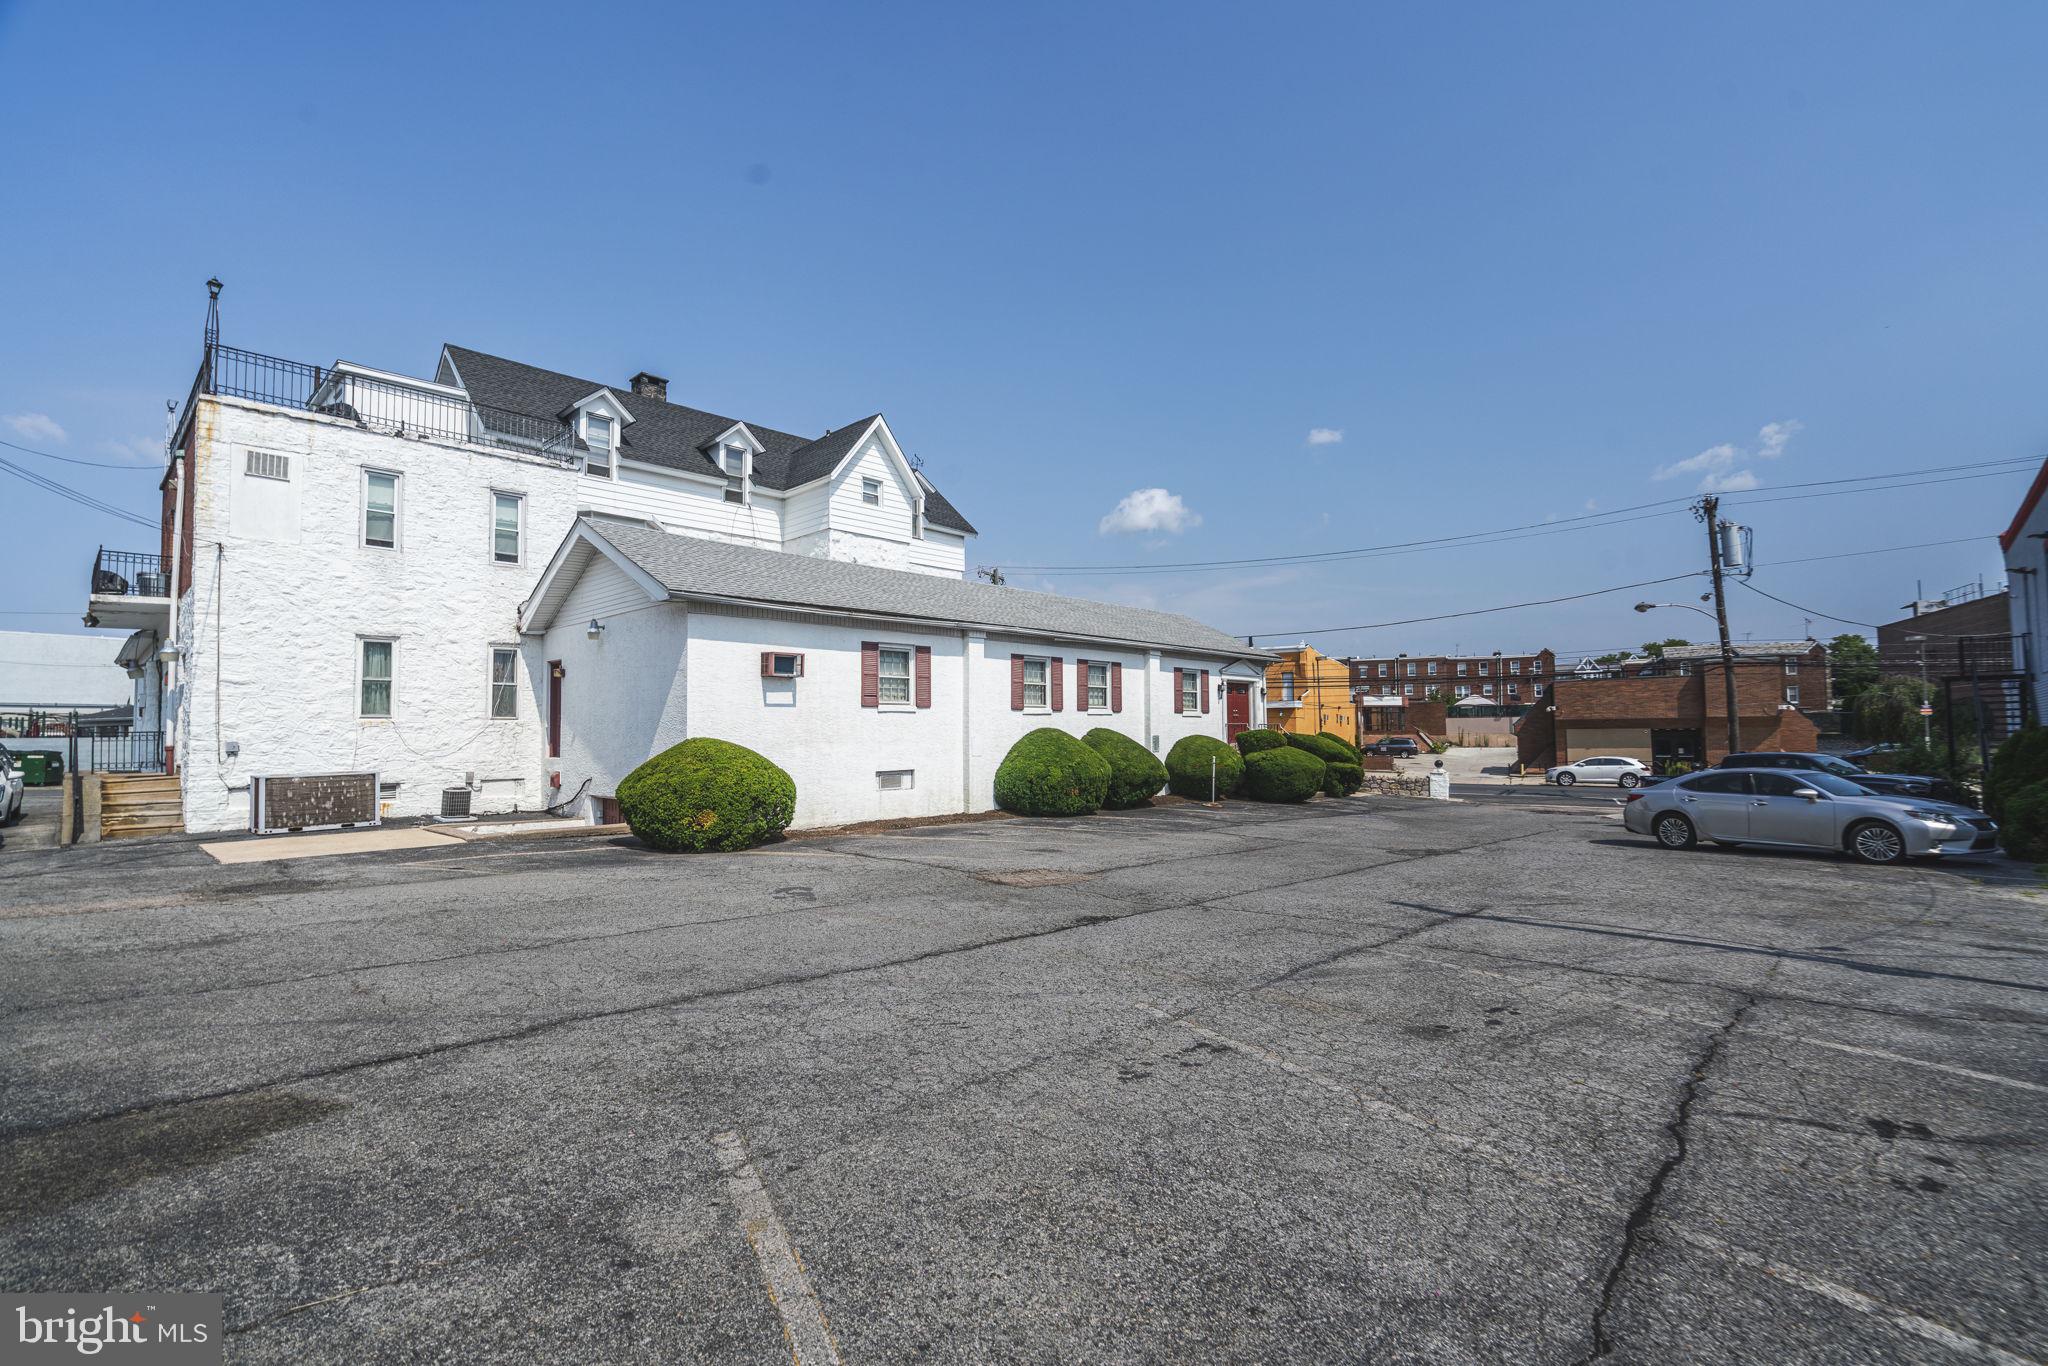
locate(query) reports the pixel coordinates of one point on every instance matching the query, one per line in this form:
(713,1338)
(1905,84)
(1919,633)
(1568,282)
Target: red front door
(1237,710)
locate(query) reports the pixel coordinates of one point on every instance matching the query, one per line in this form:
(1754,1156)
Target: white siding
(623,696)
(601,590)
(694,506)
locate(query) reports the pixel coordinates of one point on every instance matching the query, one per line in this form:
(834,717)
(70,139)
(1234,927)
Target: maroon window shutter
(1116,686)
(1055,669)
(924,675)
(1080,685)
(767,664)
(870,673)
(1177,694)
(1205,692)
(1016,682)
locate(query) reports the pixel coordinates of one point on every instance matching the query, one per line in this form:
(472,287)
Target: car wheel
(1876,842)
(1565,780)
(1674,831)
(1629,779)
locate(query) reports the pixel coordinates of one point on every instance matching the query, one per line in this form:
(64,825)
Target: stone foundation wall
(1396,785)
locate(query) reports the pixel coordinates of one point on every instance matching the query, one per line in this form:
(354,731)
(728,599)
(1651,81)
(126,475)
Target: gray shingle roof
(670,434)
(693,566)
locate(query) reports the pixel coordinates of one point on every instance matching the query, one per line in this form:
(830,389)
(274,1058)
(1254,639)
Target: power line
(1809,611)
(1558,526)
(84,500)
(1881,550)
(1481,611)
(72,460)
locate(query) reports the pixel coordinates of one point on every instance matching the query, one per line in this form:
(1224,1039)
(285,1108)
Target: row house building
(1504,678)
(503,588)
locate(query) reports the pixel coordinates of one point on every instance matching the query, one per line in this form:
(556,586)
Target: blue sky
(1520,258)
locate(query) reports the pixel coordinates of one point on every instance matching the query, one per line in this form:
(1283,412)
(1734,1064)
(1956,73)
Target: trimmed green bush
(2023,829)
(1134,774)
(1050,773)
(1327,748)
(1341,780)
(1283,775)
(1340,742)
(1187,767)
(707,794)
(2020,762)
(1252,741)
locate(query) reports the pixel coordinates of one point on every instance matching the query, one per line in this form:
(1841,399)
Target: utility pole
(1709,511)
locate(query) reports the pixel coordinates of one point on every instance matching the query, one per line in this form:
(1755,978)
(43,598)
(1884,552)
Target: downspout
(177,556)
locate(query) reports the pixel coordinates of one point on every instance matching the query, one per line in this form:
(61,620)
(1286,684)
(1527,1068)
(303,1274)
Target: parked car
(1399,746)
(1804,810)
(1605,768)
(10,787)
(1899,784)
(1857,756)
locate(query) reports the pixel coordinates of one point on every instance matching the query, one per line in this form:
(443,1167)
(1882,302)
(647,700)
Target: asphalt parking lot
(1373,1080)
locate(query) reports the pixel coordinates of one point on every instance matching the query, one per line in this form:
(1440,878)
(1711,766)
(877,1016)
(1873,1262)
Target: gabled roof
(693,567)
(2027,504)
(672,435)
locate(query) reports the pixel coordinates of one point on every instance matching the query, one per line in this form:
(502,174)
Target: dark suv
(1889,784)
(1400,746)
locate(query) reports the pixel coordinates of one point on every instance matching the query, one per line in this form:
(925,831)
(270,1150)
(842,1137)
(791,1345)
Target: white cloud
(1325,436)
(1150,510)
(36,427)
(143,450)
(1592,505)
(1716,465)
(1771,441)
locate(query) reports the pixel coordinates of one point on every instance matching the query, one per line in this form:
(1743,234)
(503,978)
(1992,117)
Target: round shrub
(1187,767)
(2020,762)
(1252,741)
(2023,829)
(1325,747)
(707,794)
(1134,774)
(1341,780)
(1283,775)
(1340,742)
(1050,773)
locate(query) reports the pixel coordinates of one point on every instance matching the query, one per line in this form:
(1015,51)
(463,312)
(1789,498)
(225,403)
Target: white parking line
(1994,1078)
(803,1318)
(1904,1320)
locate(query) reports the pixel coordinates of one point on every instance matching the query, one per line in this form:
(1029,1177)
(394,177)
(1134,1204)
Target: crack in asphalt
(691,998)
(1645,1208)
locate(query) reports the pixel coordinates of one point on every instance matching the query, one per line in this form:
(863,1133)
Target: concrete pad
(321,845)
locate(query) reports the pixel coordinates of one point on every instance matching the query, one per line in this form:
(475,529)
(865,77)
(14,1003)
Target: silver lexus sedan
(1733,806)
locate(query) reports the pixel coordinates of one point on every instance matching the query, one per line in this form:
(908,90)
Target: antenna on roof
(993,573)
(213,288)
(917,464)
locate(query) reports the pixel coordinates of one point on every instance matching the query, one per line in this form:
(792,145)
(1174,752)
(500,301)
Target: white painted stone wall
(281,602)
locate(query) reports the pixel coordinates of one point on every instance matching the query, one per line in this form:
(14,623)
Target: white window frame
(1411,668)
(519,532)
(1044,702)
(1536,690)
(732,454)
(1514,666)
(491,683)
(1463,690)
(1383,670)
(906,779)
(611,454)
(1792,694)
(1792,668)
(1287,685)
(1088,687)
(1407,690)
(1461,668)
(1485,669)
(1190,692)
(1486,689)
(1432,668)
(397,510)
(870,486)
(908,702)
(363,644)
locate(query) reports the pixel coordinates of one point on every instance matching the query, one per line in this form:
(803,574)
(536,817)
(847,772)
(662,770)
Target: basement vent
(896,779)
(264,465)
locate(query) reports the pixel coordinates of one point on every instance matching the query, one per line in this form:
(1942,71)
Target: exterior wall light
(595,630)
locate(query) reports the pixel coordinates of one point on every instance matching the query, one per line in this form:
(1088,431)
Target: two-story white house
(513,585)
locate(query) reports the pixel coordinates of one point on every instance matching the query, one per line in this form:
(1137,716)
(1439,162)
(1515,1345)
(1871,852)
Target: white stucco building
(362,572)
(2024,545)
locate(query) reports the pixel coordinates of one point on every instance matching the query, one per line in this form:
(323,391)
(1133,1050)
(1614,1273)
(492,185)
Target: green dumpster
(34,769)
(53,769)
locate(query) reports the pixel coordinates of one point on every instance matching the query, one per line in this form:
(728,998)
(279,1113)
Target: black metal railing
(129,574)
(139,751)
(382,405)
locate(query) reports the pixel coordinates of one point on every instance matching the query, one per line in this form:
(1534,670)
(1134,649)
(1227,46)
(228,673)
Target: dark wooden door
(554,709)
(1237,710)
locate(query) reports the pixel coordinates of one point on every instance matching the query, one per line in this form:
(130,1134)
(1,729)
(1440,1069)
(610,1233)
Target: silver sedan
(1804,810)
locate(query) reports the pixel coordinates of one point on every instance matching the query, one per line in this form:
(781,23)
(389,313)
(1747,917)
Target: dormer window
(597,434)
(733,461)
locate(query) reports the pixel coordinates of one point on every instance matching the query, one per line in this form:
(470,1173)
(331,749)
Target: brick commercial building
(1935,627)
(1509,680)
(1678,712)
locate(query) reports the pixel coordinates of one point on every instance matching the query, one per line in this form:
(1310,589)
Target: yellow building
(1307,691)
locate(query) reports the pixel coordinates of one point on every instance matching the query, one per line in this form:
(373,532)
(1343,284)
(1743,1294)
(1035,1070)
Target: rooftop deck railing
(411,410)
(129,574)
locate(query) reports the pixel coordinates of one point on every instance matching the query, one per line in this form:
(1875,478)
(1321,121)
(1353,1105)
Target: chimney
(650,386)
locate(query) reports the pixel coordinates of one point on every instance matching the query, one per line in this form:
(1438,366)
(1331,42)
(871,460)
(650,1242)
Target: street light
(1648,606)
(1927,716)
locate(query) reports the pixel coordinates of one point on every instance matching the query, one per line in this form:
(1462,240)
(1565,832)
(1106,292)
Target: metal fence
(139,751)
(382,405)
(130,573)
